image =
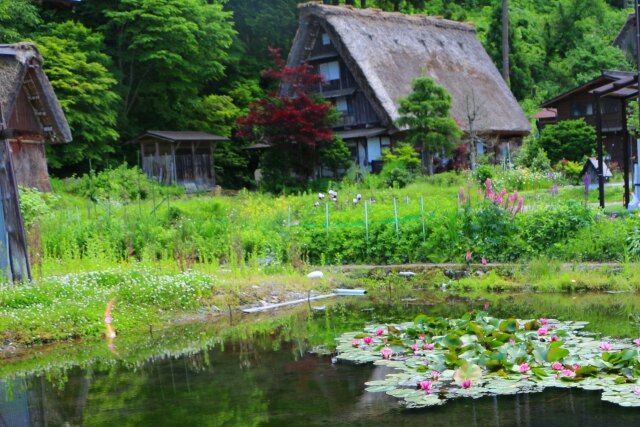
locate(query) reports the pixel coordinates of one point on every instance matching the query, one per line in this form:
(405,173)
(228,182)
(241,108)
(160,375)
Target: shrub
(482,173)
(568,139)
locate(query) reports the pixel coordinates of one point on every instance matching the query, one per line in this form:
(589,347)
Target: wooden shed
(591,168)
(179,157)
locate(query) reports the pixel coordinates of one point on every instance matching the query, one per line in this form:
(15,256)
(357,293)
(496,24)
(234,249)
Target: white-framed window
(330,70)
(342,106)
(326,41)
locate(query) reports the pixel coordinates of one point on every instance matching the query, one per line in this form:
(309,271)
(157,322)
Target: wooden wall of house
(23,118)
(30,165)
(582,105)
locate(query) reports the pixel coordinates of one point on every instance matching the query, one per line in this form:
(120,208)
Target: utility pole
(636,169)
(505,40)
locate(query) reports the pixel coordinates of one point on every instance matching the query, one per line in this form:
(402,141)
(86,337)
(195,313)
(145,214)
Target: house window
(330,70)
(580,109)
(342,106)
(610,106)
(326,41)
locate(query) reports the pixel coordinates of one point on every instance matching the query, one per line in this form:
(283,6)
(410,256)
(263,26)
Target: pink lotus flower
(544,321)
(554,338)
(425,385)
(468,256)
(428,346)
(386,352)
(422,337)
(355,343)
(435,375)
(484,261)
(379,332)
(637,342)
(567,373)
(575,366)
(466,384)
(367,340)
(605,346)
(543,331)
(415,347)
(524,368)
(557,366)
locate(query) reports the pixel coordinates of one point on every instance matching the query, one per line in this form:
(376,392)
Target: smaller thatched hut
(590,168)
(179,157)
(30,109)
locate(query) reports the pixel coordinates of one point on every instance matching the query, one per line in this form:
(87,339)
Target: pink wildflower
(519,208)
(543,331)
(524,368)
(425,385)
(367,340)
(484,261)
(427,346)
(386,352)
(557,366)
(605,346)
(435,375)
(467,383)
(468,256)
(488,185)
(462,199)
(379,332)
(355,343)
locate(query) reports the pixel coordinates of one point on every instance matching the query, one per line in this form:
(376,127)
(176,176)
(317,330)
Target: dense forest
(123,66)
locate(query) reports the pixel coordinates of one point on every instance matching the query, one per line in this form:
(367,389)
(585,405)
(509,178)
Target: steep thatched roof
(387,51)
(20,64)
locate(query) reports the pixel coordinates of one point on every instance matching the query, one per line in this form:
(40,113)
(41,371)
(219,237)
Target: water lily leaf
(586,371)
(380,388)
(556,354)
(509,325)
(451,340)
(539,372)
(468,371)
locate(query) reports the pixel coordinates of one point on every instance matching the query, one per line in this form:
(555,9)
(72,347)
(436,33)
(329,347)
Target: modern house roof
(20,65)
(387,51)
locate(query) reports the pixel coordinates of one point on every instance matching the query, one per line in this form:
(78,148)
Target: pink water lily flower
(435,375)
(543,331)
(367,340)
(386,352)
(427,346)
(466,384)
(484,261)
(355,343)
(524,368)
(637,342)
(415,347)
(554,338)
(379,332)
(636,391)
(567,373)
(575,366)
(425,385)
(557,366)
(468,256)
(544,321)
(422,337)
(605,346)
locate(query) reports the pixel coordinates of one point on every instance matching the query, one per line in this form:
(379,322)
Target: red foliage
(279,119)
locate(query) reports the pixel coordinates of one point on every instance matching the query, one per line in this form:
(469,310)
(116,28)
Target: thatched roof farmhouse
(30,109)
(370,58)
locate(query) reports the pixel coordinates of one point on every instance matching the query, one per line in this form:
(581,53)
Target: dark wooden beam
(600,153)
(626,153)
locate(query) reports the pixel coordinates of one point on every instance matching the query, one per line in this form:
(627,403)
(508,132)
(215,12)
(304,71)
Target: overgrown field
(119,217)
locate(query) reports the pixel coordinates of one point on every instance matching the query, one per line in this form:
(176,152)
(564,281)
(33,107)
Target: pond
(258,371)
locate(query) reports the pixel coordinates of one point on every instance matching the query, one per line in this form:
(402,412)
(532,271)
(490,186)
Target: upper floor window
(326,41)
(610,106)
(330,70)
(580,109)
(342,106)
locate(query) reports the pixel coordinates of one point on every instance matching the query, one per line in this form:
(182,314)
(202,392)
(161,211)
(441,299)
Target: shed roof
(593,163)
(180,136)
(387,51)
(16,60)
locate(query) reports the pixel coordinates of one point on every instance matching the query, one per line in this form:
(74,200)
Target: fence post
(395,214)
(366,219)
(326,210)
(424,231)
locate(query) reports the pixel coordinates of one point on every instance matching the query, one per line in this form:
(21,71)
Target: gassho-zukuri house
(370,58)
(31,112)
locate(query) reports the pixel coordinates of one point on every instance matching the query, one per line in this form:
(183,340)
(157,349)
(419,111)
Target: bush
(396,174)
(571,170)
(482,173)
(568,139)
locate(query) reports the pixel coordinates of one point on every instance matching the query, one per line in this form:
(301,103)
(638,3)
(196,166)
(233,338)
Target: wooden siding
(612,119)
(23,119)
(193,164)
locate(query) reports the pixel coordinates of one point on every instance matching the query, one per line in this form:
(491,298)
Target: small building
(369,60)
(580,102)
(591,169)
(30,110)
(179,157)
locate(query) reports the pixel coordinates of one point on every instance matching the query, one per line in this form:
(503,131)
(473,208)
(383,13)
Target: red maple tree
(289,119)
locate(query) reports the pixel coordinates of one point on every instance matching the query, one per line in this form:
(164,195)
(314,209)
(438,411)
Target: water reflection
(261,374)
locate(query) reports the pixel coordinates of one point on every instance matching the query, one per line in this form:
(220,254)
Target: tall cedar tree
(426,113)
(291,121)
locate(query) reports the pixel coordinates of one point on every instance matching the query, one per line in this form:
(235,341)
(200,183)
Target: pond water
(257,371)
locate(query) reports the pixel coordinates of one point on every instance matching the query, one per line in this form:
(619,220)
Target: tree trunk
(430,158)
(505,40)
(363,4)
(472,151)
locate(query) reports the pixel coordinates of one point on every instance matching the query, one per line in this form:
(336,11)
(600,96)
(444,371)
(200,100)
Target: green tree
(78,71)
(426,113)
(404,154)
(335,155)
(569,139)
(166,53)
(17,19)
